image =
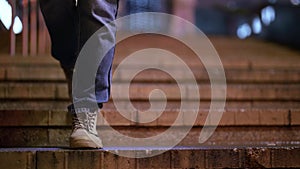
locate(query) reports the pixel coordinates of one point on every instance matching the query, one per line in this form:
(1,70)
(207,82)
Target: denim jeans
(70,25)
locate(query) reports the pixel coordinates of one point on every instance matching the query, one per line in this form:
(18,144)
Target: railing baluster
(33,28)
(12,34)
(42,34)
(25,28)
(35,37)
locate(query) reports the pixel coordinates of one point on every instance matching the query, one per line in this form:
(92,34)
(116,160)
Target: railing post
(42,35)
(25,20)
(12,34)
(33,27)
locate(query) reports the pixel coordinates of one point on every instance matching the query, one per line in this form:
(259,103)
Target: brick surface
(142,91)
(222,159)
(59,137)
(92,159)
(178,157)
(19,60)
(188,117)
(113,161)
(69,159)
(170,118)
(262,75)
(60,118)
(234,92)
(295,117)
(159,161)
(274,117)
(262,92)
(24,118)
(2,73)
(62,91)
(3,90)
(114,118)
(29,91)
(285,157)
(188,159)
(147,118)
(51,160)
(246,117)
(42,91)
(56,135)
(17,160)
(37,72)
(228,119)
(232,75)
(14,90)
(23,137)
(257,158)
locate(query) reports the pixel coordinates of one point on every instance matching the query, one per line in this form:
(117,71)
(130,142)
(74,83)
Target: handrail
(35,38)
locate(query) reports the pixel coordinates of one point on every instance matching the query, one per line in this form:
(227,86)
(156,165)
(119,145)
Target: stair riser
(58,136)
(141,91)
(265,157)
(54,73)
(231,117)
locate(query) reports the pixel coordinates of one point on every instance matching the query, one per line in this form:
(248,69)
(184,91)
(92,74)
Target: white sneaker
(84,133)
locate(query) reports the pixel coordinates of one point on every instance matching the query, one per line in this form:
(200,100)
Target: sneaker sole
(80,143)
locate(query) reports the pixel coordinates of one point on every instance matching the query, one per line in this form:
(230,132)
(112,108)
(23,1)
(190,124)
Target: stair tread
(140,91)
(53,114)
(139,148)
(177,157)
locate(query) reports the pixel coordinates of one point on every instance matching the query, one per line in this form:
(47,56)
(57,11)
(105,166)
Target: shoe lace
(85,121)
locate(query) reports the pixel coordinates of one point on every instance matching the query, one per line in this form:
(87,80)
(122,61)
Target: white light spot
(17,27)
(256,25)
(268,15)
(295,2)
(5,14)
(244,31)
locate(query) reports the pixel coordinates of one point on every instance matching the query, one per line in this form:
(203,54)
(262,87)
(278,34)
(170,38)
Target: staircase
(260,127)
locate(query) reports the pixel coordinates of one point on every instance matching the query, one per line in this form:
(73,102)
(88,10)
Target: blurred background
(274,20)
(271,20)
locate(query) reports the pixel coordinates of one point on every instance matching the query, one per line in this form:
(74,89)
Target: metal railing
(35,38)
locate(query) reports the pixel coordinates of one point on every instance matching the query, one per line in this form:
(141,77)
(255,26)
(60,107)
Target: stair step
(178,157)
(47,123)
(140,91)
(231,117)
(243,135)
(144,105)
(44,71)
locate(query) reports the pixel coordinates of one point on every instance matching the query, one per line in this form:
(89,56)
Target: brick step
(140,91)
(251,53)
(144,105)
(34,72)
(232,116)
(59,136)
(178,157)
(246,122)
(46,69)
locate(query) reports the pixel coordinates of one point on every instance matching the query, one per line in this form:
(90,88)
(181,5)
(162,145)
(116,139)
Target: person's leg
(61,19)
(70,26)
(93,15)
